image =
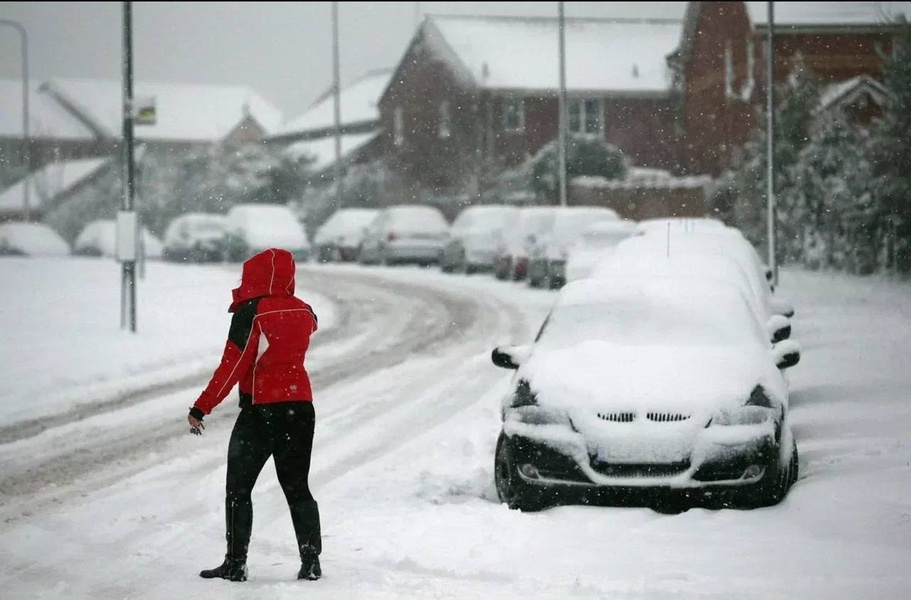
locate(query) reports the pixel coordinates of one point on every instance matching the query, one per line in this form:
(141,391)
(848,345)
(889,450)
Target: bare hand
(196,425)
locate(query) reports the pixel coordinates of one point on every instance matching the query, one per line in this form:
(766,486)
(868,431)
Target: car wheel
(775,485)
(512,490)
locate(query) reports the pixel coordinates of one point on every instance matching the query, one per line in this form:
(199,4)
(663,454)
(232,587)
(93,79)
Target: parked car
(252,228)
(340,237)
(99,238)
(550,250)
(647,385)
(195,237)
(474,236)
(31,239)
(514,249)
(408,233)
(726,242)
(595,244)
(680,225)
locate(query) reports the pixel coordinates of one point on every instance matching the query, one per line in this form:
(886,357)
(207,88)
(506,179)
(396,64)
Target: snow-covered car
(195,237)
(594,245)
(726,242)
(647,385)
(31,239)
(680,225)
(513,250)
(474,236)
(252,228)
(407,233)
(550,250)
(340,236)
(99,238)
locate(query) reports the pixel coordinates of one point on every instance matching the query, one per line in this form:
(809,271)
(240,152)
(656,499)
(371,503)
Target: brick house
(720,67)
(482,92)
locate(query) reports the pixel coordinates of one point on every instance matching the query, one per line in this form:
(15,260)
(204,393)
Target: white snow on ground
(62,341)
(402,470)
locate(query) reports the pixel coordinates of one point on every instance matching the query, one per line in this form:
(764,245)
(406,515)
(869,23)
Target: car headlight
(525,408)
(523,396)
(758,409)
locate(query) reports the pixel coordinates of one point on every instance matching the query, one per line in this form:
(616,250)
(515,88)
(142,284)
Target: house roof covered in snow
(184,112)
(47,183)
(359,104)
(827,14)
(322,150)
(522,54)
(47,118)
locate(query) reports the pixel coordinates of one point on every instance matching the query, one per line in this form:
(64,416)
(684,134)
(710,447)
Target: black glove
(195,420)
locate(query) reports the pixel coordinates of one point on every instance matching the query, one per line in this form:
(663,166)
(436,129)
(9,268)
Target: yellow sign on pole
(144,111)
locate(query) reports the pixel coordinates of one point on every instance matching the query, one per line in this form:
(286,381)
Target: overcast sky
(283,50)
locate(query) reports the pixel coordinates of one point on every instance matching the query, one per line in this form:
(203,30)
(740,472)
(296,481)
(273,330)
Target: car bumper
(721,457)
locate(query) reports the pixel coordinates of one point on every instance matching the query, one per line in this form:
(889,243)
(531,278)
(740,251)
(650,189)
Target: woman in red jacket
(267,343)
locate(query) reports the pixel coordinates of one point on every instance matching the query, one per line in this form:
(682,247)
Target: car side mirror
(509,357)
(779,328)
(786,353)
(780,306)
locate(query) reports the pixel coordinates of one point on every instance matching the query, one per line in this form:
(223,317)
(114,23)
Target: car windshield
(651,314)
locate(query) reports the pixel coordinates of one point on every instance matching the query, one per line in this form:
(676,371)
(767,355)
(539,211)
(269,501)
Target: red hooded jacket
(268,340)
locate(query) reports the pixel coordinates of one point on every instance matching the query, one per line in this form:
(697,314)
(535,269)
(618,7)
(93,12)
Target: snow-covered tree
(891,154)
(740,196)
(586,155)
(828,212)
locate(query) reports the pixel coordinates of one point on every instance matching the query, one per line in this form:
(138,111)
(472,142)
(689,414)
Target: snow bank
(31,239)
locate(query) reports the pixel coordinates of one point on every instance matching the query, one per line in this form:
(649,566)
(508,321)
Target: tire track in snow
(401,319)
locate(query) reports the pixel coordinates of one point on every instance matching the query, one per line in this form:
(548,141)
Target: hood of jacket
(269,273)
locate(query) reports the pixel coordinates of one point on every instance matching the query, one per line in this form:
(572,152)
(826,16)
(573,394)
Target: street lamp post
(770,146)
(23,38)
(561,106)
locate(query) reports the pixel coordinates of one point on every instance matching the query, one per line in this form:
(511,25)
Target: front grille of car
(629,417)
(639,470)
(666,417)
(618,417)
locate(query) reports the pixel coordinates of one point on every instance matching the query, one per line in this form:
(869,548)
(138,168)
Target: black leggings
(282,430)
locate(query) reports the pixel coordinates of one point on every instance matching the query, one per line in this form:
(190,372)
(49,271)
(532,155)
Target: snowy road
(125,504)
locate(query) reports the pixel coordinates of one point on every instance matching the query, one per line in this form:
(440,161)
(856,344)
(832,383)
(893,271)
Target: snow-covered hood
(603,376)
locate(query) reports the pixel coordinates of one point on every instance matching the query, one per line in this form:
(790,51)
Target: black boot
(230,570)
(238,526)
(305,517)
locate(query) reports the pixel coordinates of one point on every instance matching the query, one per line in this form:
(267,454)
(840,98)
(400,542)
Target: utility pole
(561,107)
(336,108)
(127,226)
(26,138)
(770,144)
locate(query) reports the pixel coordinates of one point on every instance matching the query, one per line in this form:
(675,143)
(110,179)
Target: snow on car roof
(32,239)
(346,220)
(267,225)
(409,217)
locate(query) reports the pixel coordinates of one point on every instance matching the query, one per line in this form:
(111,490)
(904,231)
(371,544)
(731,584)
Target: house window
(585,116)
(398,126)
(513,114)
(445,120)
(728,70)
